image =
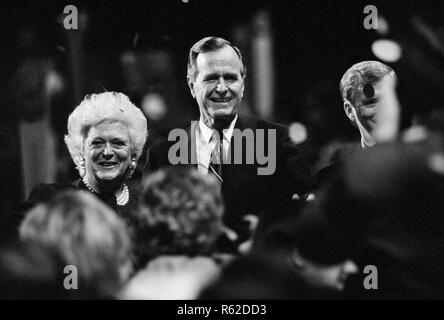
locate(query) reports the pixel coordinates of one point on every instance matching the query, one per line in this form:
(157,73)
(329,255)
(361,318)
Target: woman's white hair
(98,108)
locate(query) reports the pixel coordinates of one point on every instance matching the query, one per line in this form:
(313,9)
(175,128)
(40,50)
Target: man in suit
(251,182)
(374,114)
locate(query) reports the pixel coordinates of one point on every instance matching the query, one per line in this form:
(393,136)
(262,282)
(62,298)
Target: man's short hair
(360,74)
(206,45)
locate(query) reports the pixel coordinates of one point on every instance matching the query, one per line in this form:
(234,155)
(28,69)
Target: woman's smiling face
(107,153)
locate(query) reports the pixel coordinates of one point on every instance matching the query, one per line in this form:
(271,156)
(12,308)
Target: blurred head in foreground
(180,213)
(87,235)
(30,271)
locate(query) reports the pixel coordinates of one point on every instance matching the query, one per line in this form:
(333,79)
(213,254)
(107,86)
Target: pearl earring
(81,167)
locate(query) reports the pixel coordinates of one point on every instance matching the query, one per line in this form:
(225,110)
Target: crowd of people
(217,224)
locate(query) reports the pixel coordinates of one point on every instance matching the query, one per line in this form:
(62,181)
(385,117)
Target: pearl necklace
(121,199)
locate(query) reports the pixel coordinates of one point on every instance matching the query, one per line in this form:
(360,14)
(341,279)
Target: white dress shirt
(205,144)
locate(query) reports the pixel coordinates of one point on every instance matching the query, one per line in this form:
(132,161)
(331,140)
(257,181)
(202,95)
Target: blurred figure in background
(151,82)
(179,223)
(39,93)
(86,234)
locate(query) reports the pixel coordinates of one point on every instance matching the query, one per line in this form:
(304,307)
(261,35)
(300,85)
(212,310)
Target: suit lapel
(235,171)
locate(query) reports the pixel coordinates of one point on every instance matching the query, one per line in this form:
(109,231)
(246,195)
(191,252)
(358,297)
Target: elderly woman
(106,136)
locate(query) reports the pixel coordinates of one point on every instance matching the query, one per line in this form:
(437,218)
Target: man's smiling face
(219,85)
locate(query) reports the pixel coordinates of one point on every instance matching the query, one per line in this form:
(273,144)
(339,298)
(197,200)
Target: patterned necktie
(217,156)
(220,123)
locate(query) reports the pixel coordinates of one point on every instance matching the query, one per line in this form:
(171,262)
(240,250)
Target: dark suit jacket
(244,190)
(333,169)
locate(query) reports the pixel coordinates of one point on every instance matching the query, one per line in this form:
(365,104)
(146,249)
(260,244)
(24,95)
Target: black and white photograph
(222,155)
